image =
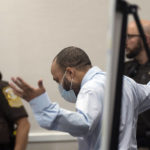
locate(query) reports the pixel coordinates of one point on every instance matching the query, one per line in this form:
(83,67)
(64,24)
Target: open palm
(24,90)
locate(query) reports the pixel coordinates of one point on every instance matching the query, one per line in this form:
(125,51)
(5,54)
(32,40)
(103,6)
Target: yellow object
(13,99)
(14,133)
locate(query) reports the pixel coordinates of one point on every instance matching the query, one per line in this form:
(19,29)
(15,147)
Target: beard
(135,51)
(67,86)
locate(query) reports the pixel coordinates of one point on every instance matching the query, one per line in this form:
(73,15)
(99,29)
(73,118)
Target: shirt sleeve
(50,116)
(143,97)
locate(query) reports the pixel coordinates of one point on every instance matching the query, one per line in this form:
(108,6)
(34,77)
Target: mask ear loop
(71,84)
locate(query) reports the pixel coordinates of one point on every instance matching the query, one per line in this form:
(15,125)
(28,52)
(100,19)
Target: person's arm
(50,116)
(143,97)
(23,127)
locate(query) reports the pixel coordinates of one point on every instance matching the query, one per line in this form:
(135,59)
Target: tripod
(117,38)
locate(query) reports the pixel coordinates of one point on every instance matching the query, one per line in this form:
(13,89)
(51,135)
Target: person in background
(83,84)
(138,68)
(14,125)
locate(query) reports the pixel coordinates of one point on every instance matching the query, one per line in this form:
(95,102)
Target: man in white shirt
(84,85)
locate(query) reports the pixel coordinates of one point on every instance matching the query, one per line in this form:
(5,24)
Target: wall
(34,31)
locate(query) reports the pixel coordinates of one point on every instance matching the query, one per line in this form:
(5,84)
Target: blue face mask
(67,95)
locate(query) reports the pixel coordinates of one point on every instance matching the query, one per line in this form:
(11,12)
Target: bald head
(145,24)
(134,43)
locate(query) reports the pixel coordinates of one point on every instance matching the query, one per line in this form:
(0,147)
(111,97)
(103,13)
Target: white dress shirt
(85,123)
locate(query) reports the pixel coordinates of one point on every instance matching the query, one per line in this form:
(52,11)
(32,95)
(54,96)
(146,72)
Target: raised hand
(24,90)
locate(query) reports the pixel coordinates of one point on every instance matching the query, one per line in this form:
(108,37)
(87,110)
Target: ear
(70,72)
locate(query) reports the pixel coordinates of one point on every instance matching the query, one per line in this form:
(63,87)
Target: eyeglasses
(129,36)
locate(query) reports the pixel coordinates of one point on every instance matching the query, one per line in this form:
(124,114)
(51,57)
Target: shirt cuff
(40,102)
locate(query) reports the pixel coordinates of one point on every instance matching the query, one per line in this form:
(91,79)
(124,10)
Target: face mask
(67,95)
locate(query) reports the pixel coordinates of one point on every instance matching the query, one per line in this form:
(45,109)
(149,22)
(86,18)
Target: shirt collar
(89,75)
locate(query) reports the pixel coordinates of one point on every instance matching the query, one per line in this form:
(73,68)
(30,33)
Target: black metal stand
(122,7)
(125,9)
